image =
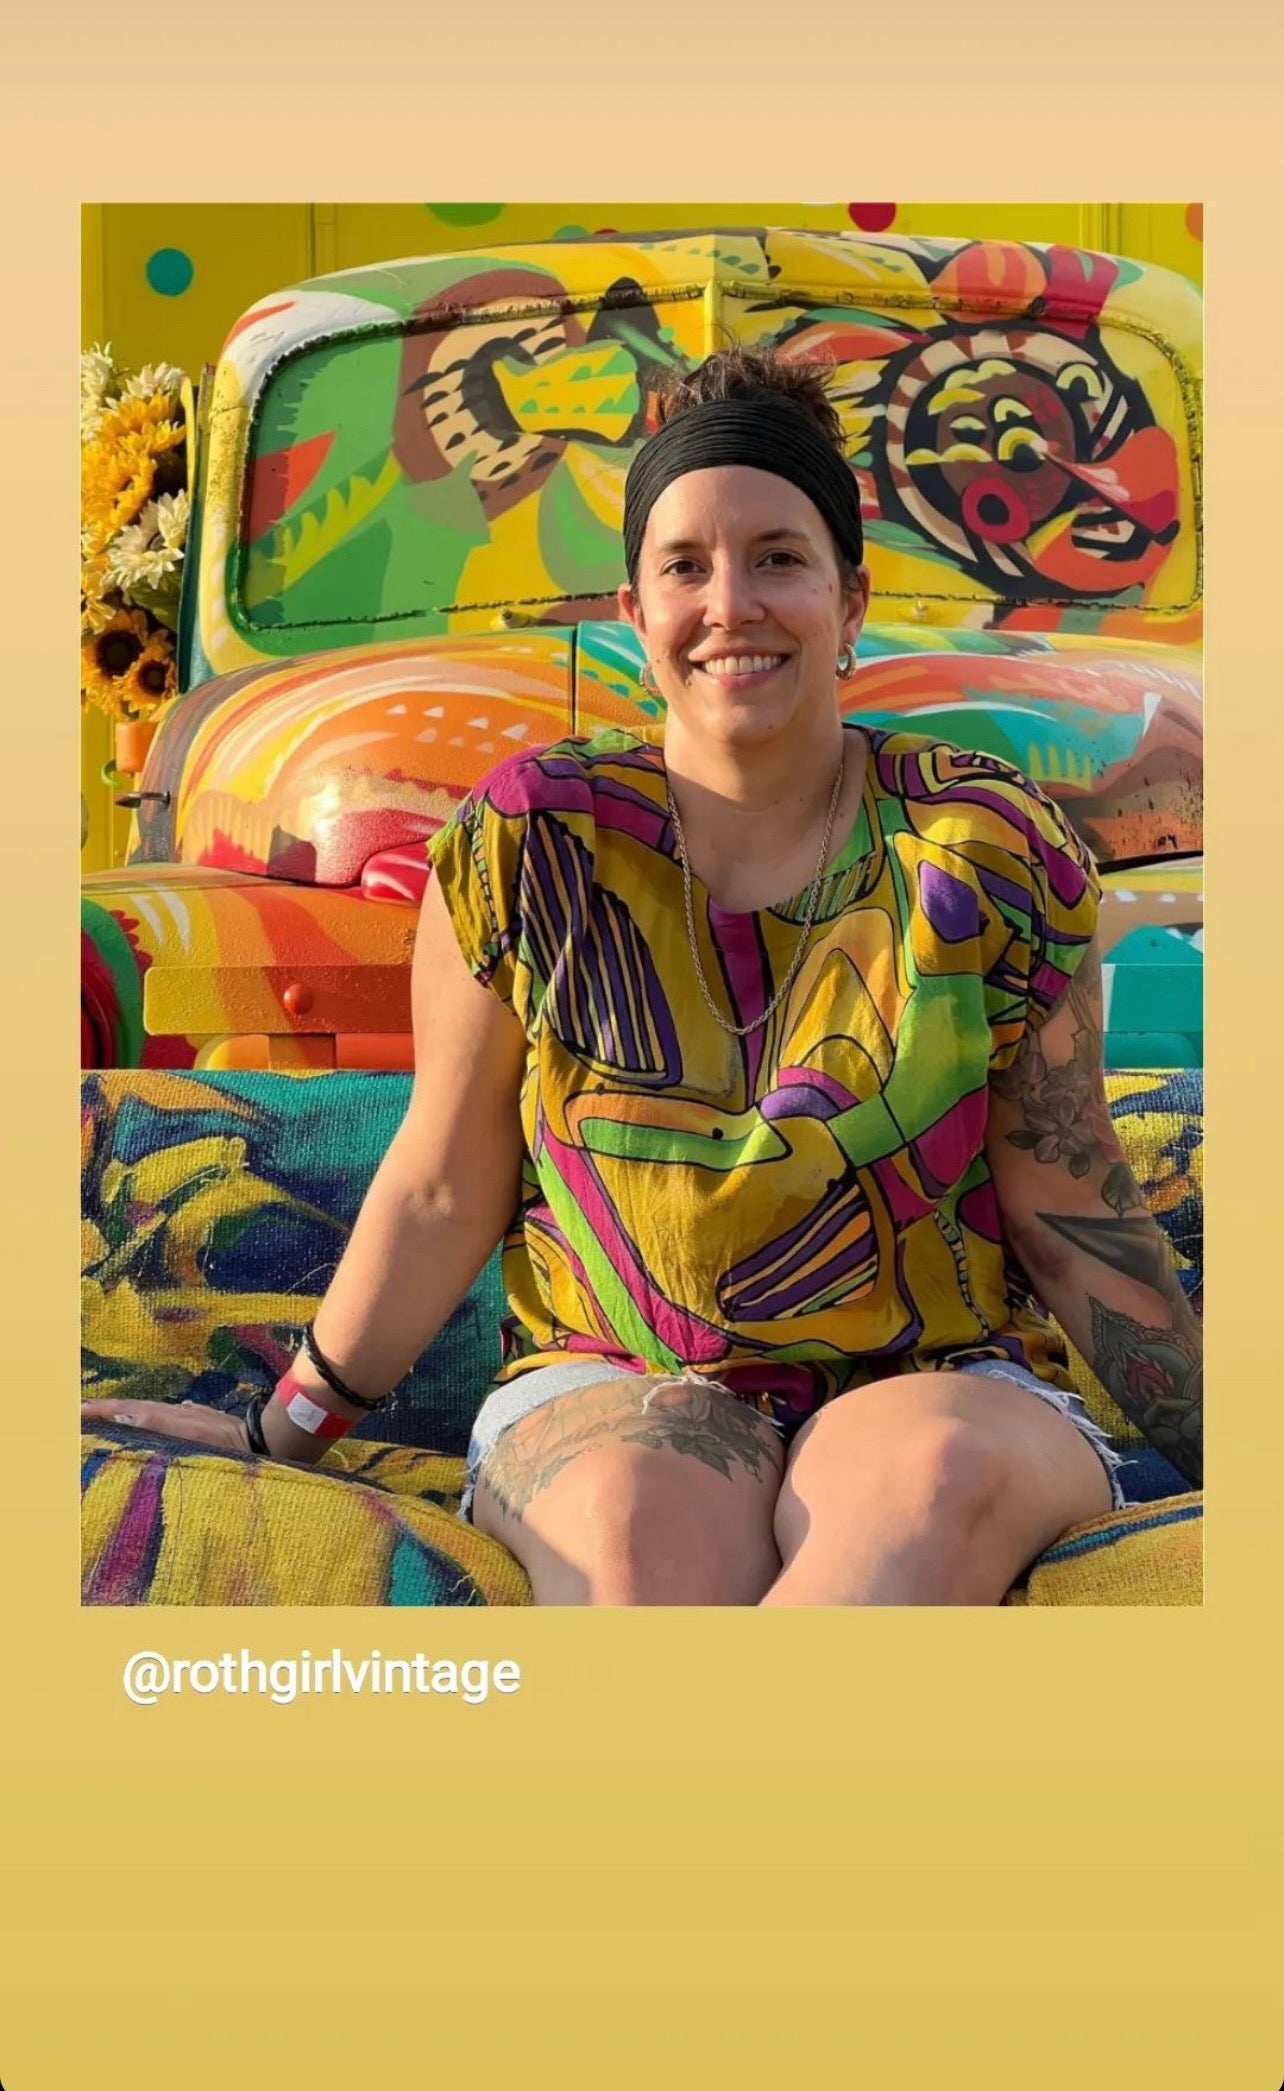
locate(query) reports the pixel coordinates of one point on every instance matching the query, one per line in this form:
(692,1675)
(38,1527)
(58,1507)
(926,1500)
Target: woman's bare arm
(1077,1222)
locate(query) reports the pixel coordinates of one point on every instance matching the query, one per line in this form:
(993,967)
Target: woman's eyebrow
(696,544)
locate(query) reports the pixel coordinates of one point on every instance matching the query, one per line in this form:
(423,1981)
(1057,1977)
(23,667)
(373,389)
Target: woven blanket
(215,1208)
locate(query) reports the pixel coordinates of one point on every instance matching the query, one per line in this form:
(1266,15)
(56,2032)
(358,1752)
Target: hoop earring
(847,664)
(647,680)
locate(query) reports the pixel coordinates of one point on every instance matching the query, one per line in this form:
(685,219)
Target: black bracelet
(332,1379)
(254,1425)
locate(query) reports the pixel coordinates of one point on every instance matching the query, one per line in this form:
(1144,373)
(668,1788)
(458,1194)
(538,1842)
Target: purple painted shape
(529,782)
(950,904)
(124,1574)
(1046,985)
(800,1100)
(978,1211)
(811,1083)
(744,969)
(904,1201)
(1066,876)
(946,1149)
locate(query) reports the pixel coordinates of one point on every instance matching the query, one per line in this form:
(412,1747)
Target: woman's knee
(641,1499)
(651,1534)
(934,1469)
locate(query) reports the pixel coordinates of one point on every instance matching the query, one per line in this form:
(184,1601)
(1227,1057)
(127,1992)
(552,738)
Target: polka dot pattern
(872,217)
(170,272)
(465,213)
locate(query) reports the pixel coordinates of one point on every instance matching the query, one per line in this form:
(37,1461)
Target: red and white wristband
(307,1414)
(304,1412)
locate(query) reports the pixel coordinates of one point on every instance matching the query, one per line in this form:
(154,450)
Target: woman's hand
(191,1420)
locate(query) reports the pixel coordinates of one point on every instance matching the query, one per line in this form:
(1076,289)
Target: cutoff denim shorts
(507,1404)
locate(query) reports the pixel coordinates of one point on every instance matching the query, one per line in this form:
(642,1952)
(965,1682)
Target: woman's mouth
(740,671)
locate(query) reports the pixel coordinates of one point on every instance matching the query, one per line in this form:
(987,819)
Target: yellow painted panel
(237,254)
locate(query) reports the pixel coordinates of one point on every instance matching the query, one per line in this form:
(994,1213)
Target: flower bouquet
(134,512)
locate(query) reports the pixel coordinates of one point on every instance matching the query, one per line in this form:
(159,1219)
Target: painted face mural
(1031,459)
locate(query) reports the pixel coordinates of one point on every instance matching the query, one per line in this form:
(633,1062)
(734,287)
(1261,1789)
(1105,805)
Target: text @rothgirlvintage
(149,1677)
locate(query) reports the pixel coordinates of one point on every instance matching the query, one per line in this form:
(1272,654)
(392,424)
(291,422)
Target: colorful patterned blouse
(808,1208)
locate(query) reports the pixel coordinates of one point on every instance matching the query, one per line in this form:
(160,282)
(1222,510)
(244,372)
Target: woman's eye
(789,558)
(679,566)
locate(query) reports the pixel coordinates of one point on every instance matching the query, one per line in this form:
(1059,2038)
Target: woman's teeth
(742,664)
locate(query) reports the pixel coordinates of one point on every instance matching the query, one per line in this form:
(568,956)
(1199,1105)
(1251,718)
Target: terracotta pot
(133,739)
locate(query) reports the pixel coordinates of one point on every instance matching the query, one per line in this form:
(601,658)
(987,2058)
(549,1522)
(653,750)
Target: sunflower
(147,419)
(151,680)
(99,601)
(116,482)
(108,658)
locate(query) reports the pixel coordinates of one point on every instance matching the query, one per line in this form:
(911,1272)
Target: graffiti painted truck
(405,547)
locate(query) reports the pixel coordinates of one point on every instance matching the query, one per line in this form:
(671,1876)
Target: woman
(775,1058)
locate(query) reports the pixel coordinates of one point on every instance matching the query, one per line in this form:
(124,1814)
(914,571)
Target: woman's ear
(630,607)
(857,605)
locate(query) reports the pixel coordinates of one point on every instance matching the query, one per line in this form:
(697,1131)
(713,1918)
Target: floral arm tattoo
(1141,1338)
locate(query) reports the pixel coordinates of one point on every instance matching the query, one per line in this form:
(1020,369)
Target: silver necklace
(813,902)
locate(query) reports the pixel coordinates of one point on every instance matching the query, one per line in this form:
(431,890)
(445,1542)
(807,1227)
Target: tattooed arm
(1077,1222)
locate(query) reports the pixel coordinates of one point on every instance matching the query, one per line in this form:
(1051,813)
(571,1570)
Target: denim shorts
(507,1404)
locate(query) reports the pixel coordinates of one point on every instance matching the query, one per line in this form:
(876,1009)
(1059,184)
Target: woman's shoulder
(562,776)
(955,794)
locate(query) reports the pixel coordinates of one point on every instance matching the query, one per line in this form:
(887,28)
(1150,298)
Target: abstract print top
(809,1208)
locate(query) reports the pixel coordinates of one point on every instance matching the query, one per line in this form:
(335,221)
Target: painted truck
(405,547)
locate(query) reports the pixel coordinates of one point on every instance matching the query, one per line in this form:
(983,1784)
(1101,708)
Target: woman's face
(741,604)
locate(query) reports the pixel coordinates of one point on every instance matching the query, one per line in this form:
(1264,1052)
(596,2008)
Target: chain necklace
(813,902)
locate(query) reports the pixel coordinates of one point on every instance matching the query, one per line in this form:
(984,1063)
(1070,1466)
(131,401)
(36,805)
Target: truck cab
(403,560)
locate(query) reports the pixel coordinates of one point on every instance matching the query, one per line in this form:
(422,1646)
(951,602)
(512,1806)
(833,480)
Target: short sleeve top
(807,1208)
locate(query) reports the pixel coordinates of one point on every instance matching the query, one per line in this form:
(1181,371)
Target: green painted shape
(402,290)
(465,213)
(924,1083)
(584,555)
(644,1143)
(114,948)
(605,1283)
(344,389)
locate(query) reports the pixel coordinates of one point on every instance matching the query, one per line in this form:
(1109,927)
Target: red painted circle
(297,999)
(872,217)
(992,512)
(1195,220)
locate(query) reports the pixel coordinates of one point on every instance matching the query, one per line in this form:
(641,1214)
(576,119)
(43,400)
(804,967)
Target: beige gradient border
(1025,1849)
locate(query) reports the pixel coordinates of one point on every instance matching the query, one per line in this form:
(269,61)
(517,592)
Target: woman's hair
(744,375)
(747,373)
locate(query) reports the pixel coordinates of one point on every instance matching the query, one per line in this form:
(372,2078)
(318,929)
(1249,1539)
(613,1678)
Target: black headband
(769,432)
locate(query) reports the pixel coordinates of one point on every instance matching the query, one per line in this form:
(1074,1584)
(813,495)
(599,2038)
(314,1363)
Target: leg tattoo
(683,1416)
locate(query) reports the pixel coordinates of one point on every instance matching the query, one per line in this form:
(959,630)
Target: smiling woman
(747,1046)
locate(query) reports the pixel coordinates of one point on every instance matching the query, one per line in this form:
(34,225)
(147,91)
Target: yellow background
(242,252)
(1023,1852)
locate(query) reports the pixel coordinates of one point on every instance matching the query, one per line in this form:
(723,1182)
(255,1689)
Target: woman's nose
(731,597)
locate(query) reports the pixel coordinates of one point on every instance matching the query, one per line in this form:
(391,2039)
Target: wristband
(307,1414)
(253,1420)
(331,1376)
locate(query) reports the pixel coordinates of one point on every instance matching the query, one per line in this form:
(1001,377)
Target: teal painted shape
(420,1575)
(170,272)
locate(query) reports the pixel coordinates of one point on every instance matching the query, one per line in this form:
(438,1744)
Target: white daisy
(171,520)
(151,379)
(99,380)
